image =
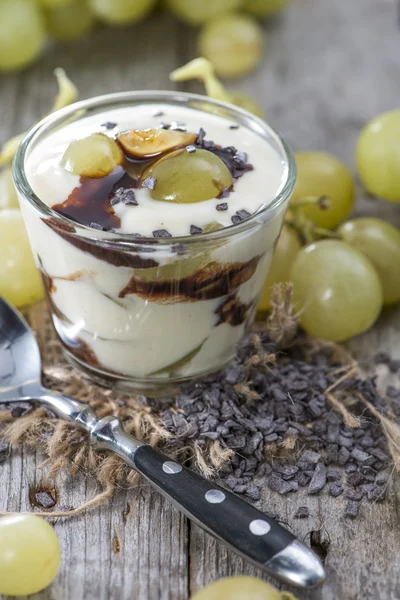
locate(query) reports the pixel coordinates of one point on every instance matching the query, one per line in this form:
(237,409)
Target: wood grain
(328,68)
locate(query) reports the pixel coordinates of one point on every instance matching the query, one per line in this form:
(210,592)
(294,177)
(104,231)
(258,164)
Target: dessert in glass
(153,218)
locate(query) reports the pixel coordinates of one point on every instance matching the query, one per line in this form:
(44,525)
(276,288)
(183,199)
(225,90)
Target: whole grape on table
(29,554)
(230,34)
(348,269)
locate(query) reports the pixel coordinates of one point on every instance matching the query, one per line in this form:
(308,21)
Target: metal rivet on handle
(215,496)
(259,527)
(171,467)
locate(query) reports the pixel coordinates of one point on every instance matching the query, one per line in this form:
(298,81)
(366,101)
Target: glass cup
(143,313)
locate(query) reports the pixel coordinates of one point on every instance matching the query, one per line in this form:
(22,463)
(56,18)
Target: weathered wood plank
(329,67)
(153,560)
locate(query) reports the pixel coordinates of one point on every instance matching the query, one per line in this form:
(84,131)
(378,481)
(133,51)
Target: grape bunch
(29,554)
(343,271)
(230,36)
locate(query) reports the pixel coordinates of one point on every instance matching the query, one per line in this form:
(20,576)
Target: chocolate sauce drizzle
(92,201)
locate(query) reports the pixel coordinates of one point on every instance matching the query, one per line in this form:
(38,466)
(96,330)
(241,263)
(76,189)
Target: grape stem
(67,93)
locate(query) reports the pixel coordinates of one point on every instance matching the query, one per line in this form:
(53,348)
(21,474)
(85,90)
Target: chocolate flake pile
(271,410)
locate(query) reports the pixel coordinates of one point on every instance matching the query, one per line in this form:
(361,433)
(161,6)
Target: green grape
(196,12)
(54,3)
(241,588)
(232,43)
(380,242)
(20,281)
(69,22)
(8,193)
(22,33)
(247,102)
(121,12)
(336,290)
(213,226)
(320,174)
(378,156)
(29,554)
(94,156)
(285,253)
(264,8)
(184,177)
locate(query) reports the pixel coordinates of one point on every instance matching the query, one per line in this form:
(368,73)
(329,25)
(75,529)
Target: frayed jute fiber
(67,448)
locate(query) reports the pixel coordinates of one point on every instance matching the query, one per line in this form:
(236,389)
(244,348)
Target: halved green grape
(336,290)
(22,33)
(29,555)
(121,12)
(20,281)
(380,242)
(264,8)
(378,156)
(94,156)
(241,588)
(321,174)
(70,21)
(185,177)
(8,193)
(233,43)
(174,270)
(196,12)
(285,253)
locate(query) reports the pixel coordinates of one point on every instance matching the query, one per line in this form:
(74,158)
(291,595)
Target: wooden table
(329,67)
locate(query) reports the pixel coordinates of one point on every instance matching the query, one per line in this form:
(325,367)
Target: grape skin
(184,177)
(336,290)
(22,33)
(233,43)
(379,241)
(94,156)
(197,12)
(322,174)
(54,3)
(241,588)
(121,12)
(29,554)
(264,8)
(8,193)
(378,156)
(20,281)
(70,21)
(285,253)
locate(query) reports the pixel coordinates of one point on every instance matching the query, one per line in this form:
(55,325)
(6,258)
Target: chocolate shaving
(194,230)
(109,125)
(222,206)
(161,233)
(150,183)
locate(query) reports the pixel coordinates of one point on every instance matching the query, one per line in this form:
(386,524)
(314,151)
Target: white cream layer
(53,184)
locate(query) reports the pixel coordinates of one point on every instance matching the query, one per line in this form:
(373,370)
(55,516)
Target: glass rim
(108,100)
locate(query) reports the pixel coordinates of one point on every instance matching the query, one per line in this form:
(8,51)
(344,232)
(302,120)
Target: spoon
(249,532)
